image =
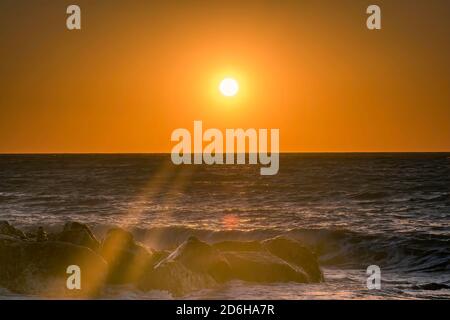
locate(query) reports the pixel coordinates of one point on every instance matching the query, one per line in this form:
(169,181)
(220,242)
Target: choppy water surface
(354,210)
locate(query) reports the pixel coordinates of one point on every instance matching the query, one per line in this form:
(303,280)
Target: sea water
(353,210)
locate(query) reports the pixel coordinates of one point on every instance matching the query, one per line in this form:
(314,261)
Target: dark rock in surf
(4,239)
(194,265)
(197,265)
(201,257)
(160,255)
(289,250)
(79,234)
(8,230)
(174,277)
(128,259)
(41,235)
(431,286)
(238,246)
(295,253)
(39,268)
(37,264)
(261,266)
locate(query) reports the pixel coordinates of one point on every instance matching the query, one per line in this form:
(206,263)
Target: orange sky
(140,69)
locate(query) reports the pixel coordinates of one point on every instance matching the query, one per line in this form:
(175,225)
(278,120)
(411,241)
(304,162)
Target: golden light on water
(230,221)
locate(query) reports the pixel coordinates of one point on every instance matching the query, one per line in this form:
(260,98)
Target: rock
(286,249)
(238,246)
(200,257)
(79,234)
(431,286)
(174,277)
(295,253)
(260,266)
(194,265)
(128,259)
(160,255)
(37,264)
(39,268)
(41,235)
(8,230)
(7,239)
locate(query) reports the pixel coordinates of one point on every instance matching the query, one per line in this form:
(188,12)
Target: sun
(229,87)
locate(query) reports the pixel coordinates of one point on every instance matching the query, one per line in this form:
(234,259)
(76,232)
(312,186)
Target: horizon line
(167,153)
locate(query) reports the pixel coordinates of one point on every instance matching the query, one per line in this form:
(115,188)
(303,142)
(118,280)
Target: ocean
(353,210)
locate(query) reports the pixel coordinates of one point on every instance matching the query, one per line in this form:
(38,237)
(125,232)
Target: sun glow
(229,87)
